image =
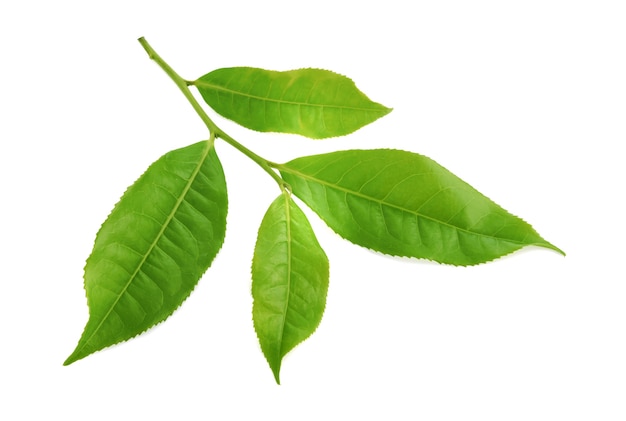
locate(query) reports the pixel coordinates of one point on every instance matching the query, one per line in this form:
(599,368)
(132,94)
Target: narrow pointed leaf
(289,281)
(154,246)
(311,102)
(405,204)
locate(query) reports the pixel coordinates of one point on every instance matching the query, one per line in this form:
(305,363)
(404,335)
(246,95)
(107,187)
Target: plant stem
(262,162)
(180,82)
(215,131)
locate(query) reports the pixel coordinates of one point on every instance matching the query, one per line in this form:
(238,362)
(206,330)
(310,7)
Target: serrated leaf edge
(71,359)
(548,245)
(276,370)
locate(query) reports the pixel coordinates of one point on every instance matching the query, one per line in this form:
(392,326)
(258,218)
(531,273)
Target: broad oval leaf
(311,102)
(155,245)
(405,204)
(289,281)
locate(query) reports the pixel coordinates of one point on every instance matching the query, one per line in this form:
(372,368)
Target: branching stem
(214,130)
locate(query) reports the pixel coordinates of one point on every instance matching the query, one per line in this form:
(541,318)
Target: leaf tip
(554,248)
(71,359)
(78,354)
(276,371)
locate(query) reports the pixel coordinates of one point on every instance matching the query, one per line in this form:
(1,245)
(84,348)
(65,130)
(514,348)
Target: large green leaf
(154,246)
(405,204)
(310,102)
(289,281)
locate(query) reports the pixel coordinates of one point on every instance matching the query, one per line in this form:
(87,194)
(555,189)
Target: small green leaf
(405,204)
(311,102)
(289,281)
(155,245)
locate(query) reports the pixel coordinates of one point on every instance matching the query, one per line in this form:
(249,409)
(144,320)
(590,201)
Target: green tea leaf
(310,102)
(405,204)
(289,281)
(154,246)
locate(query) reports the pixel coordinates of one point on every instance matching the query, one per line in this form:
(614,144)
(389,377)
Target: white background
(524,100)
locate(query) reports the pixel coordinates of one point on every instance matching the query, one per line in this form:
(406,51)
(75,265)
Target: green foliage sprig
(169,225)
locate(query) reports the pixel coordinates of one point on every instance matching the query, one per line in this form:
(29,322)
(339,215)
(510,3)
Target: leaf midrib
(391,205)
(286,306)
(159,235)
(205,85)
